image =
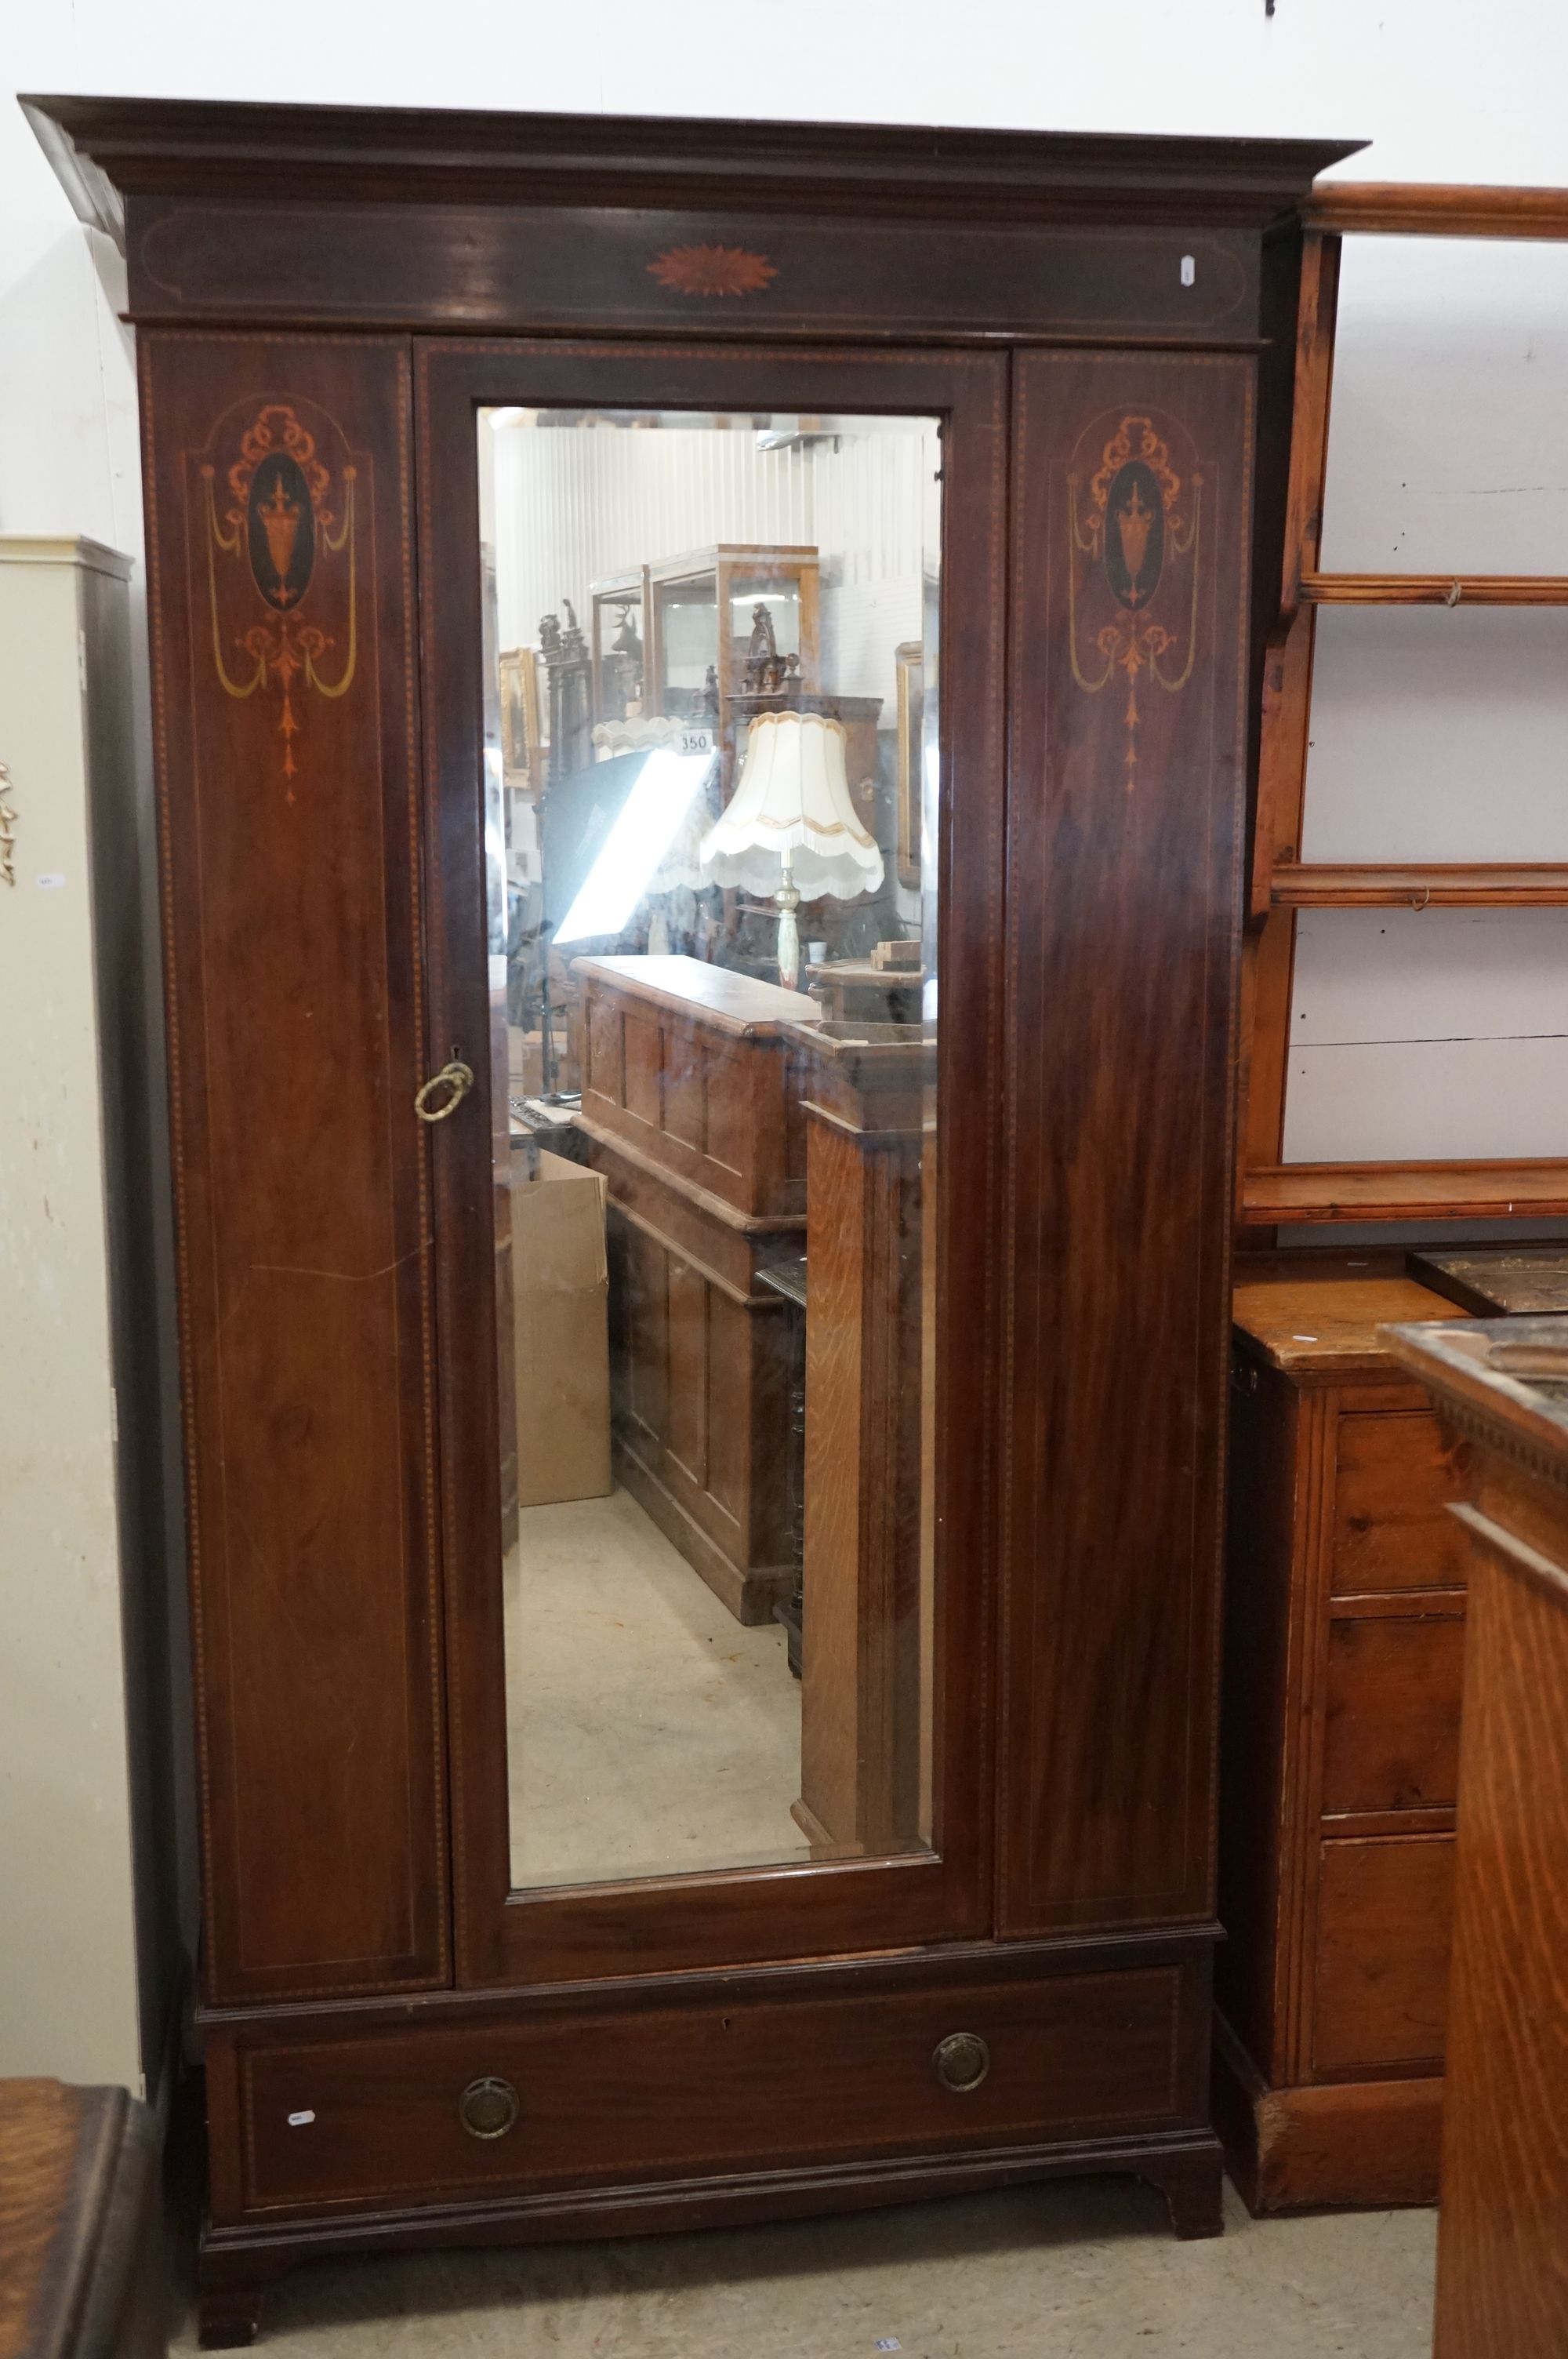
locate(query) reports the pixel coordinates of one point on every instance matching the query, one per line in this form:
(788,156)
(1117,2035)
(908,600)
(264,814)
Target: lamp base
(788,901)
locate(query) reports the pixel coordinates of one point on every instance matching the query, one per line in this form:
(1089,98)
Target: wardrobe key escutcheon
(961,2060)
(489,2107)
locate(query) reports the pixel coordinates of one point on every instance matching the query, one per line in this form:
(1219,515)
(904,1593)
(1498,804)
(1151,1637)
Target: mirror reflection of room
(711,778)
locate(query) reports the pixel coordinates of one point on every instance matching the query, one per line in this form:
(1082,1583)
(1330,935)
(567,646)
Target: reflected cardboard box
(560,1291)
(525,1062)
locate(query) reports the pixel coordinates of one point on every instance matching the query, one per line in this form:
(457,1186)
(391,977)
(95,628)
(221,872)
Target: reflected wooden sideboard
(869,1093)
(691,1109)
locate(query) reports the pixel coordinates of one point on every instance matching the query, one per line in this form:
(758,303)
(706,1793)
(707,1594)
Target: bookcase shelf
(1361,885)
(1281,884)
(1434,590)
(1404,1191)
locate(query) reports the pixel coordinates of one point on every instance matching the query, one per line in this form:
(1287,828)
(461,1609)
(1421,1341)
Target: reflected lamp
(790,832)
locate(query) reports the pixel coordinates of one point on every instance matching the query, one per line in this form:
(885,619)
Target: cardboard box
(560,1295)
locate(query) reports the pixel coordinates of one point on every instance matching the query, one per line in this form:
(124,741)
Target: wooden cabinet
(691,1108)
(1345,1636)
(1502,2259)
(1074,338)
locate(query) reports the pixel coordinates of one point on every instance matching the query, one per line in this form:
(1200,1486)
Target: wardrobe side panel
(278,502)
(1129,627)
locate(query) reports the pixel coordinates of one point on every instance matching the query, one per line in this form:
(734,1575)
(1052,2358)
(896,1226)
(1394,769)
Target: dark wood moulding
(401,217)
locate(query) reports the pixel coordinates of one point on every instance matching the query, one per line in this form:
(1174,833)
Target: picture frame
(521,737)
(909,659)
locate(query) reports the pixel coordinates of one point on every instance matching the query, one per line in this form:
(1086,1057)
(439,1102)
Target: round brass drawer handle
(488,2108)
(961,2060)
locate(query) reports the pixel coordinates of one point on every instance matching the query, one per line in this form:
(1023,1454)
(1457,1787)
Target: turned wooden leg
(1194,2188)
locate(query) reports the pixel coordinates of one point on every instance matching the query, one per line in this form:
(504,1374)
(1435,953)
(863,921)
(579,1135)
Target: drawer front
(1384,1918)
(1391,1725)
(1394,1477)
(650,2095)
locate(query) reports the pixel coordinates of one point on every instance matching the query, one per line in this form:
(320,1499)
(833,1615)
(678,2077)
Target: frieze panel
(533,267)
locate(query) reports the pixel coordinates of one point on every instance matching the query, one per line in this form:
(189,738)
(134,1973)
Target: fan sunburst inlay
(712,270)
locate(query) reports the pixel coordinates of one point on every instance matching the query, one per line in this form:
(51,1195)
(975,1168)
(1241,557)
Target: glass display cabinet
(733,619)
(704,1586)
(619,638)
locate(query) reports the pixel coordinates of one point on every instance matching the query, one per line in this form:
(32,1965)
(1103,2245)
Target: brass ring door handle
(454,1077)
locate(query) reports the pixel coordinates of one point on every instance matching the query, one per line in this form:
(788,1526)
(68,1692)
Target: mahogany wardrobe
(702,679)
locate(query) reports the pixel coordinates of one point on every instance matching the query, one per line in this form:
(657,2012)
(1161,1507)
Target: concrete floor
(1087,2269)
(648,1732)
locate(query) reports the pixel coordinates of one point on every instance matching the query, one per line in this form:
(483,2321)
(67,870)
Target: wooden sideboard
(1502,2239)
(691,1108)
(1345,1634)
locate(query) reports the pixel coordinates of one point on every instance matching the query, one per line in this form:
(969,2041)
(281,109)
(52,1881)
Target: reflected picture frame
(521,737)
(909,660)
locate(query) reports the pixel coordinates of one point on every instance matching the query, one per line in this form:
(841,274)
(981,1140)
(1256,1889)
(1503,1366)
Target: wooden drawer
(1392,1724)
(1395,1476)
(651,2094)
(1384,1915)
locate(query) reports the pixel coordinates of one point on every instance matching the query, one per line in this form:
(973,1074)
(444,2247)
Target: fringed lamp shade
(791,815)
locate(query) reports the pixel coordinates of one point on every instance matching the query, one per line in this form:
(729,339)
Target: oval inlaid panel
(280,531)
(1134,534)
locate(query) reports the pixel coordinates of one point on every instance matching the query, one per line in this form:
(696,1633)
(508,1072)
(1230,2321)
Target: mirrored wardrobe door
(716,938)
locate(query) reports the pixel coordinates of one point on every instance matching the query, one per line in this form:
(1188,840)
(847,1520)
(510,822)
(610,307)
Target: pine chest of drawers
(1345,1626)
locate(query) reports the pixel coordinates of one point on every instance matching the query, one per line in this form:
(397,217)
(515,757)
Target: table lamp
(790,831)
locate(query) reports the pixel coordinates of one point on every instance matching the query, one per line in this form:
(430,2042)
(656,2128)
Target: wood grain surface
(1404,1191)
(296,1044)
(1502,2288)
(1502,2257)
(1319,1314)
(83,2268)
(1125,819)
(689,2092)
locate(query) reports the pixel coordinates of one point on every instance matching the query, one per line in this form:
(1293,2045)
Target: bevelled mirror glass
(712,723)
